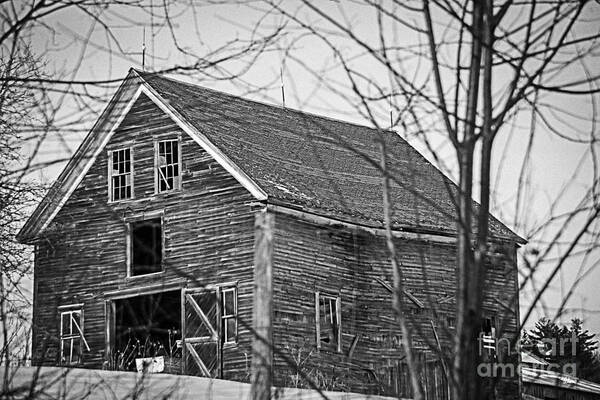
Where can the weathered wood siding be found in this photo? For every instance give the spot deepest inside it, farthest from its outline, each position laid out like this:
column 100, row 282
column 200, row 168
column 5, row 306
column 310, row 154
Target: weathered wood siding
column 347, row 263
column 208, row 229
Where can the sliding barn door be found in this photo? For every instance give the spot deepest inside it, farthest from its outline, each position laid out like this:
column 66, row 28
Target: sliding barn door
column 201, row 344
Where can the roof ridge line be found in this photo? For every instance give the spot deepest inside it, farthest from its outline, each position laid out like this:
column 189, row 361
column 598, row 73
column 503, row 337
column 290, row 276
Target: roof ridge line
column 294, row 110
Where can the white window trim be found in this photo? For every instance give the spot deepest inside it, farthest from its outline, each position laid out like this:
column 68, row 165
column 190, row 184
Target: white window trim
column 157, row 167
column 490, row 342
column 338, row 315
column 70, row 310
column 225, row 289
column 110, row 170
column 129, row 243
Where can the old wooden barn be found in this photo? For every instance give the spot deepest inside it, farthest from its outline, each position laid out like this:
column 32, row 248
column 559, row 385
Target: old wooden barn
column 145, row 245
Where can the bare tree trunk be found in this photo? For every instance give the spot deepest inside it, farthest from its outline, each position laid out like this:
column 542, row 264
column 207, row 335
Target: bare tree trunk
column 465, row 319
column 467, row 308
column 487, row 139
column 262, row 352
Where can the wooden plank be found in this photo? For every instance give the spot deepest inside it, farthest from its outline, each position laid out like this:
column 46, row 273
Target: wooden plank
column 408, row 294
column 198, row 360
column 318, row 319
column 201, row 339
column 184, row 367
column 339, row 223
column 219, row 334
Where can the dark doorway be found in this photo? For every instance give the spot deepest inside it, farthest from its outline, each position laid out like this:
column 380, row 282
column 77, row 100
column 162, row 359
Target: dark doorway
column 146, row 246
column 148, row 326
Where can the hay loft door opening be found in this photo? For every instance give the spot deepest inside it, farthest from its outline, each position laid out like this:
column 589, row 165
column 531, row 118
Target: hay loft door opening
column 201, row 332
column 147, row 326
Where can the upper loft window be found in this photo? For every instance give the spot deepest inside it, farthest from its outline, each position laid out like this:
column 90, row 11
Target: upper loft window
column 146, row 247
column 120, row 181
column 168, row 165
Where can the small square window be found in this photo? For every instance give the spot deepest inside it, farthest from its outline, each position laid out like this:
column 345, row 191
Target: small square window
column 229, row 315
column 167, row 165
column 120, row 175
column 146, row 246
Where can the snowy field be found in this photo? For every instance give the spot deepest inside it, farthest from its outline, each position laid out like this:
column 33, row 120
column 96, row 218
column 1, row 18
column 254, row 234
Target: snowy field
column 71, row 384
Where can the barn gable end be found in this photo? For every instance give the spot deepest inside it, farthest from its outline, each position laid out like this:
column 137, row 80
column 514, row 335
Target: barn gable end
column 109, row 122
column 82, row 257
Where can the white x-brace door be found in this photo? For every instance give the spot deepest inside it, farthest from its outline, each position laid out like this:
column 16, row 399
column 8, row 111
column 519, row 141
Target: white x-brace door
column 201, row 332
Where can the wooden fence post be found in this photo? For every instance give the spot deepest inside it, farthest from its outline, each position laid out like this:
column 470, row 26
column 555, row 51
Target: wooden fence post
column 262, row 352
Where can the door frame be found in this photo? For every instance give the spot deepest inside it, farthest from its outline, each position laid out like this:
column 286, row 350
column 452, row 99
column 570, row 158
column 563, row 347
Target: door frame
column 110, row 310
column 109, row 313
column 216, row 289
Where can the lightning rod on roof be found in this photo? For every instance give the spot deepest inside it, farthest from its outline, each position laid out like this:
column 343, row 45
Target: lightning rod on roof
column 391, row 115
column 144, row 49
column 282, row 87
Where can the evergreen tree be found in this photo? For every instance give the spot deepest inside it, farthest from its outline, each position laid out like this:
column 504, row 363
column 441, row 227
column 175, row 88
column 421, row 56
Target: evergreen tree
column 562, row 345
column 586, row 346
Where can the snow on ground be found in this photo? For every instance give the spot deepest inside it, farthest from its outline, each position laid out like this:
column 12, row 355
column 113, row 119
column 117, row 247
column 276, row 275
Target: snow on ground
column 78, row 384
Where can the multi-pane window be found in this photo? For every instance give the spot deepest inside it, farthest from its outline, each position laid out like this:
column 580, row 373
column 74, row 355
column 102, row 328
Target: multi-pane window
column 121, row 180
column 328, row 321
column 146, row 246
column 72, row 340
column 229, row 315
column 167, row 165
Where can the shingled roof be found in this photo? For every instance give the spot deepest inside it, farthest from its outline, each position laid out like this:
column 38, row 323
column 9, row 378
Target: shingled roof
column 317, row 164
